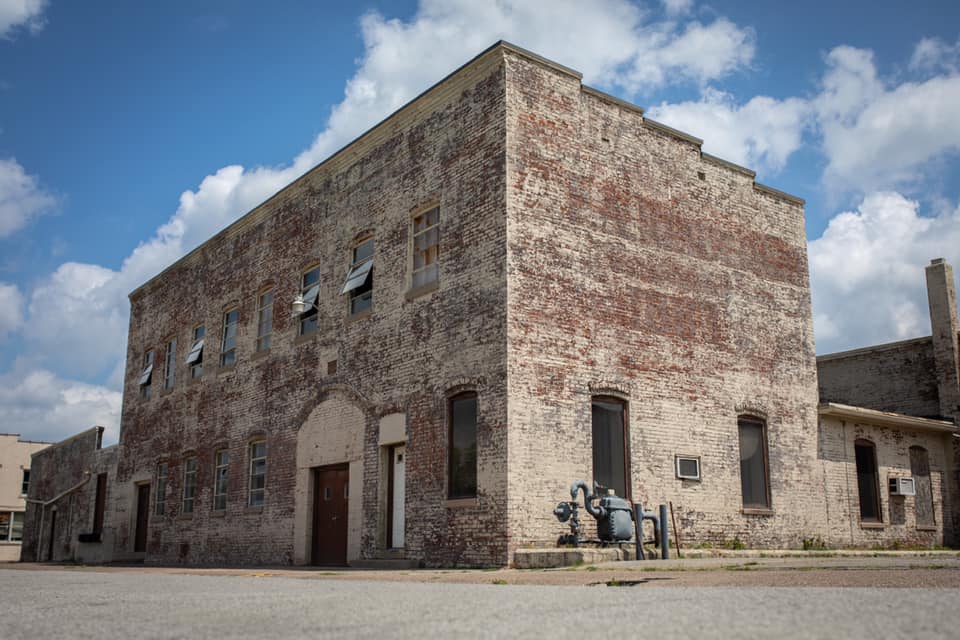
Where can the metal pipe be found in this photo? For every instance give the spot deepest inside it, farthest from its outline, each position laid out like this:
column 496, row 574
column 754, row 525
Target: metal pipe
column 576, row 487
column 664, row 534
column 638, row 529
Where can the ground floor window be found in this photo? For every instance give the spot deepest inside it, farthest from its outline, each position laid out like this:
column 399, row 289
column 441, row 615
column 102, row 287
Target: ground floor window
column 754, row 473
column 11, row 526
column 609, row 424
column 462, row 447
column 868, row 485
column 920, row 470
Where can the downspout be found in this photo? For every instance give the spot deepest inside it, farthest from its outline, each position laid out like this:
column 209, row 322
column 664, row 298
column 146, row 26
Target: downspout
column 43, row 510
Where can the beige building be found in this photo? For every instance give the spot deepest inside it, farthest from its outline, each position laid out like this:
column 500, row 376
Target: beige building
column 14, row 484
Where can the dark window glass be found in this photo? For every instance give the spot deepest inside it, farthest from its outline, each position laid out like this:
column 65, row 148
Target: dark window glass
column 867, row 483
column 754, row 482
column 923, row 503
column 310, row 290
column 463, row 446
column 360, row 286
column 609, row 445
column 228, row 345
column 220, row 480
column 25, row 485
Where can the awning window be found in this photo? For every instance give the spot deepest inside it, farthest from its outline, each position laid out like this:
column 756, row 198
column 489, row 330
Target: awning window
column 196, row 353
column 145, row 376
column 357, row 276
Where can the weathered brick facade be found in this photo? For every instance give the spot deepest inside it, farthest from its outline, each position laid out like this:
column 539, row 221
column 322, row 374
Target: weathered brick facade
column 585, row 251
column 62, row 497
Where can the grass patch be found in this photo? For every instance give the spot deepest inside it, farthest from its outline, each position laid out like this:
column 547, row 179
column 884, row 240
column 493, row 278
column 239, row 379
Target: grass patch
column 499, row 581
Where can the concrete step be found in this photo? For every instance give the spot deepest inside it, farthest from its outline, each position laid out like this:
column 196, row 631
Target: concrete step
column 568, row 557
column 385, row 563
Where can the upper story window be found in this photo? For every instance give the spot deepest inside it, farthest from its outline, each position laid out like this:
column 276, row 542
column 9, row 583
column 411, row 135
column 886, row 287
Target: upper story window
column 25, row 484
column 462, row 446
column 221, row 468
column 160, row 500
column 228, row 345
column 609, row 431
column 754, row 471
column 310, row 290
column 170, row 364
column 264, row 320
column 146, row 375
column 189, row 484
column 868, row 483
column 426, row 248
column 195, row 357
column 258, row 473
column 359, row 284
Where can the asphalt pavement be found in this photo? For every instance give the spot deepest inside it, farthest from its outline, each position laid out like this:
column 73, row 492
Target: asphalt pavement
column 82, row 603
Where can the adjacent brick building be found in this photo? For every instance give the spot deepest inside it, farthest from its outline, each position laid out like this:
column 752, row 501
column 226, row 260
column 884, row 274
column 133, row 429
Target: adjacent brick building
column 513, row 282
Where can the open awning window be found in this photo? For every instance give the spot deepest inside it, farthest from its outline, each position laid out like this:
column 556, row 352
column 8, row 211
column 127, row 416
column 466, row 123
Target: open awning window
column 357, row 276
column 196, row 352
column 145, row 376
column 310, row 298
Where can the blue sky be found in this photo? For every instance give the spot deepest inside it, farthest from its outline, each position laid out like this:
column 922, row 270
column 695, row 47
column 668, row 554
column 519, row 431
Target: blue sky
column 130, row 132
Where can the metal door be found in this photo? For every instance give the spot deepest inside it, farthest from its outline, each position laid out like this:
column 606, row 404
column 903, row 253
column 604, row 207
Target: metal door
column 331, row 495
column 398, row 490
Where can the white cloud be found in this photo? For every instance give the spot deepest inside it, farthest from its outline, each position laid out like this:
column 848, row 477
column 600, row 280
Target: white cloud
column 42, row 406
column 21, row 198
column 677, row 7
column 867, row 271
column 879, row 136
column 761, row 133
column 933, row 54
column 26, row 14
column 11, row 309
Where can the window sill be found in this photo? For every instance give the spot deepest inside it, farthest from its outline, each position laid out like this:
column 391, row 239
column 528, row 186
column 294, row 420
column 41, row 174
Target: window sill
column 306, row 337
column 166, row 392
column 359, row 315
column 220, row 513
column 458, row 503
column 185, row 516
column 226, row 369
column 259, row 355
column 422, row 290
column 928, row 528
column 754, row 511
column 253, row 510
column 872, row 525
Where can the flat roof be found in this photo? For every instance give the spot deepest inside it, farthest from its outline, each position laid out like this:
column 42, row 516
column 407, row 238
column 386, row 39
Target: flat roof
column 885, row 418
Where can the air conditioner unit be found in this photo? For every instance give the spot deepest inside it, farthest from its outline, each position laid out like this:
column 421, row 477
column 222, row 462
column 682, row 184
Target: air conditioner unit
column 902, row 487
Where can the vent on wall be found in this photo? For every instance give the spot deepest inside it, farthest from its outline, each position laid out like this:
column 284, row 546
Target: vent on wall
column 688, row 467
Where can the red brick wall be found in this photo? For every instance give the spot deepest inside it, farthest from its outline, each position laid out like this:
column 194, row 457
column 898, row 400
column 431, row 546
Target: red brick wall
column 448, row 149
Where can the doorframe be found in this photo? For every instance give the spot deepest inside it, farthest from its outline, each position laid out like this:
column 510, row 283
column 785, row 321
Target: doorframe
column 314, row 481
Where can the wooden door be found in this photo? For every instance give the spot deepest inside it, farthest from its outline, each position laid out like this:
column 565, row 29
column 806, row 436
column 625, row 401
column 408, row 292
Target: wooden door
column 923, row 501
column 143, row 517
column 331, row 495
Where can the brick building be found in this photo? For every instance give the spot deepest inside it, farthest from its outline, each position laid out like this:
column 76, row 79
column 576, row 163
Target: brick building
column 513, row 282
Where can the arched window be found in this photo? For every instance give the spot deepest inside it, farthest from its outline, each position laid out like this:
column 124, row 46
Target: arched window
column 754, row 470
column 923, row 503
column 868, row 484
column 610, row 463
